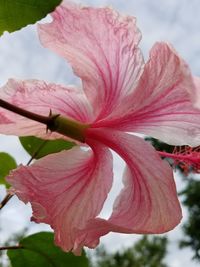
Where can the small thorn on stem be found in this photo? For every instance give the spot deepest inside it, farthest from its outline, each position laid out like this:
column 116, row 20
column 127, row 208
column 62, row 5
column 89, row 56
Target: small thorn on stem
column 54, row 122
column 51, row 124
column 25, row 113
column 50, row 115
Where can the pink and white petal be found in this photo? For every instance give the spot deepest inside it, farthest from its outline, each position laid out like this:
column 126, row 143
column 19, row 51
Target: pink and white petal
column 102, row 48
column 40, row 97
column 148, row 202
column 162, row 106
column 66, row 190
column 197, row 95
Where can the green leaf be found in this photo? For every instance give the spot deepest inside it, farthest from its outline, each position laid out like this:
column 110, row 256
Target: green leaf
column 15, row 14
column 7, row 163
column 39, row 250
column 39, row 148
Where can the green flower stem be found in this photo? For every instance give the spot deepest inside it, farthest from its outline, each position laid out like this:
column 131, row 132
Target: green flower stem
column 53, row 122
column 68, row 128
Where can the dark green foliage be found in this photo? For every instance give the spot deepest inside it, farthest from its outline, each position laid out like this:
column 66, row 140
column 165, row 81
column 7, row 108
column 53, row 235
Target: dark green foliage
column 15, row 14
column 39, row 251
column 160, row 146
column 38, row 148
column 191, row 228
column 147, row 252
column 7, row 163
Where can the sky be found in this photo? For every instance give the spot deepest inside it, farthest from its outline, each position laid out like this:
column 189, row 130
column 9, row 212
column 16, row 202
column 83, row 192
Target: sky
column 22, row 57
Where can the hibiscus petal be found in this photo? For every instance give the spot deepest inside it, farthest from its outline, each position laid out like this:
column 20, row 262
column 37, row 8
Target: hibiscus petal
column 40, row 97
column 162, row 105
column 148, row 202
column 66, row 190
column 197, row 95
column 102, row 48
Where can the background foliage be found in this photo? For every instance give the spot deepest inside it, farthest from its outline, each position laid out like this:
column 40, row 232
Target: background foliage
column 15, row 14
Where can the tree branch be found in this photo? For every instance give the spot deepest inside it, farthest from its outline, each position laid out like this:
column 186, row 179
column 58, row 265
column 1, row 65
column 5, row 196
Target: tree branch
column 5, row 200
column 11, row 247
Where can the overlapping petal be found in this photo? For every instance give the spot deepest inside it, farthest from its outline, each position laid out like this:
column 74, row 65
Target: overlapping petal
column 40, row 97
column 162, row 106
column 148, row 202
column 66, row 190
column 102, row 48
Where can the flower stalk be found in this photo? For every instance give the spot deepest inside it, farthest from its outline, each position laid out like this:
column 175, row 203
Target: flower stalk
column 53, row 122
column 27, row 114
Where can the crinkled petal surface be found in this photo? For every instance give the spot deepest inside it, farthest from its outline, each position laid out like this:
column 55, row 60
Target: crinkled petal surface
column 102, row 48
column 162, row 104
column 148, row 202
column 197, row 95
column 40, row 97
column 66, row 190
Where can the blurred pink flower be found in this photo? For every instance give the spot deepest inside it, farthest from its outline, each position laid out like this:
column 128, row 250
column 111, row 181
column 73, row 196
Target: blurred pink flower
column 120, row 95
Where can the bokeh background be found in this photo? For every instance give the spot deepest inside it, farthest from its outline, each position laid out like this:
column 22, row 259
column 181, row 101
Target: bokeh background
column 22, row 57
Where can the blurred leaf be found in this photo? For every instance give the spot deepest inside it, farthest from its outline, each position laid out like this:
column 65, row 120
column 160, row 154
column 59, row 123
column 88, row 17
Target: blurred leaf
column 39, row 148
column 15, row 14
column 39, row 250
column 7, row 163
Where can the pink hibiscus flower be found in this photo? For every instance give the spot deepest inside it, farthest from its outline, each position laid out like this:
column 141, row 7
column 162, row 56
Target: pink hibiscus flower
column 120, row 95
